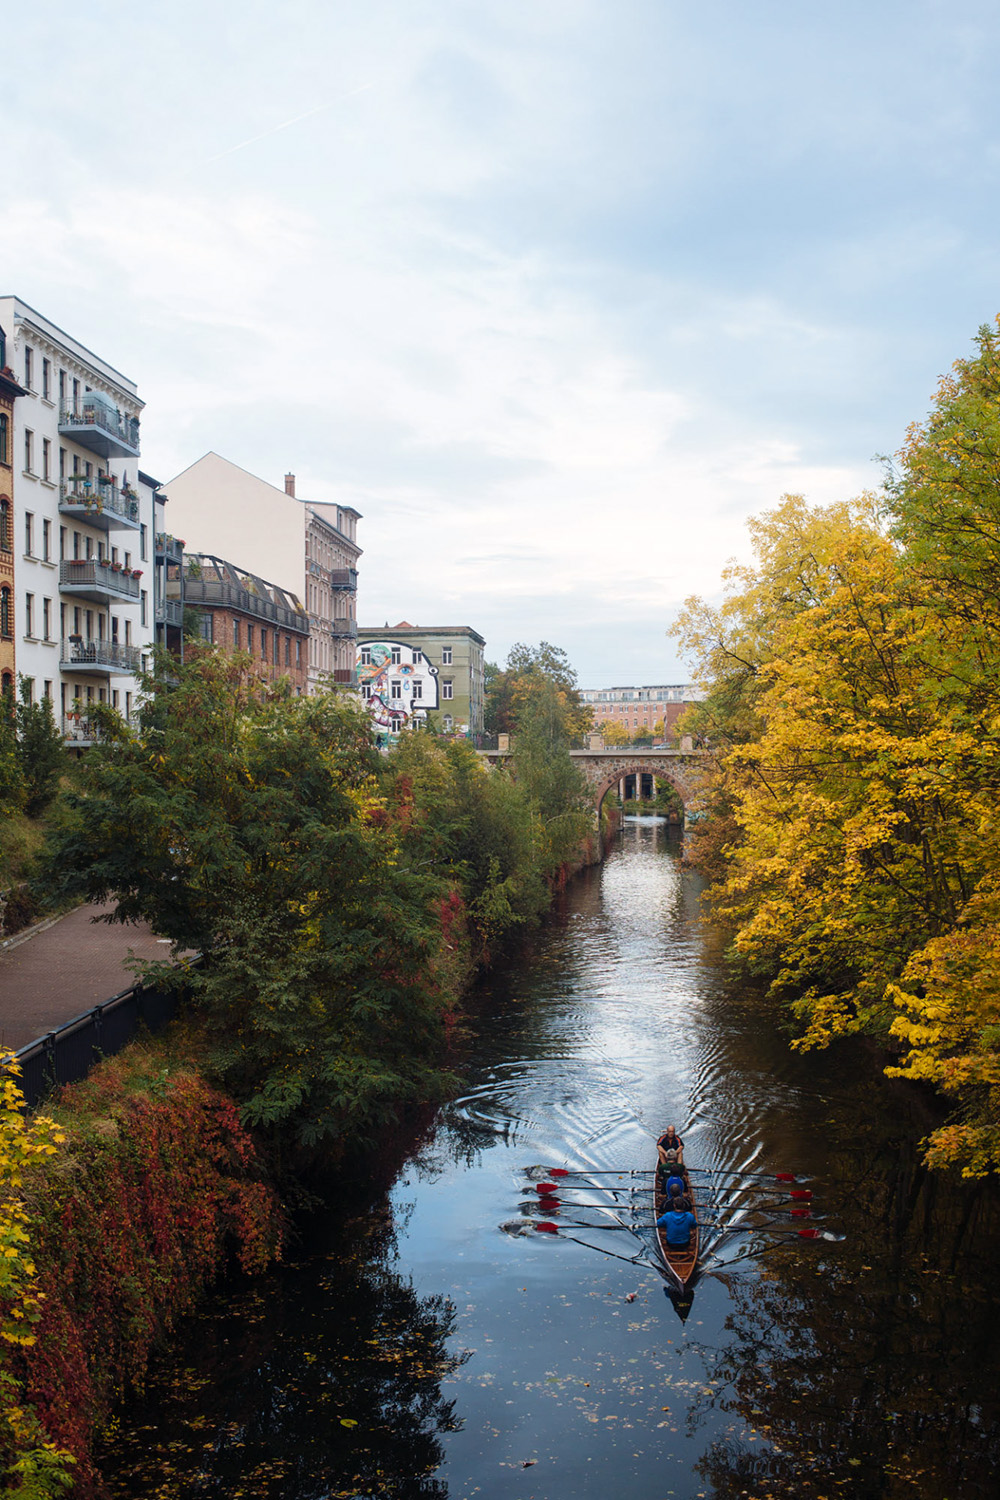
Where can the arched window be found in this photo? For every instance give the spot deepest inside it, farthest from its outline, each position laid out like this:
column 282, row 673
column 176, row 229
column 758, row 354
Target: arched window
column 6, row 616
column 4, row 523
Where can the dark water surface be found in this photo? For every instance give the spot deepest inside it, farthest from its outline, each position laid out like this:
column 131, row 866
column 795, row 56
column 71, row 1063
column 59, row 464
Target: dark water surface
column 436, row 1345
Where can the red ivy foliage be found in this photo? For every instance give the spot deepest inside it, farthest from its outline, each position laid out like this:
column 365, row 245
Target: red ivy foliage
column 154, row 1204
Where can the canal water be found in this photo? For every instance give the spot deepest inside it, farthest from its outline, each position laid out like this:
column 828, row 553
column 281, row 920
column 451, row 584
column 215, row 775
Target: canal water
column 431, row 1342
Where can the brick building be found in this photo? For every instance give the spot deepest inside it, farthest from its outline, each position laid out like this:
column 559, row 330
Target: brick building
column 641, row 709
column 239, row 611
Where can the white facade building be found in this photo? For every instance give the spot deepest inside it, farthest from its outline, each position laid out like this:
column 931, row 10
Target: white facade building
column 83, row 530
column 309, row 548
column 398, row 684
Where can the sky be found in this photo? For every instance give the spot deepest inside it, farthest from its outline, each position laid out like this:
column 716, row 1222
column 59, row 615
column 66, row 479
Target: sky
column 556, row 293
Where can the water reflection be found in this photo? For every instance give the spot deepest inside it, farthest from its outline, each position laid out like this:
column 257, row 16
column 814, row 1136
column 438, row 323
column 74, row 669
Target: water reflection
column 319, row 1382
column 478, row 1362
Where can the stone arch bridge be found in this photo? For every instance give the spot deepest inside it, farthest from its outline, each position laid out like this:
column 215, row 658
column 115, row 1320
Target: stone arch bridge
column 604, row 767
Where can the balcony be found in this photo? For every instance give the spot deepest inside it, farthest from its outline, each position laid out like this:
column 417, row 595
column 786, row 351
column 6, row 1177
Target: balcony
column 106, row 657
column 96, row 423
column 98, row 502
column 344, row 629
column 344, row 578
column 169, row 612
column 100, row 581
column 79, row 730
column 213, row 591
column 169, row 548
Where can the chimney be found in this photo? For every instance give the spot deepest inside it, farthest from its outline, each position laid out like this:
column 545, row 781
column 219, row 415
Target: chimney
column 290, row 485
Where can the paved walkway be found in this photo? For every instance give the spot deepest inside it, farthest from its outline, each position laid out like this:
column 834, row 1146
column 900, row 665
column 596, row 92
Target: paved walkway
column 66, row 968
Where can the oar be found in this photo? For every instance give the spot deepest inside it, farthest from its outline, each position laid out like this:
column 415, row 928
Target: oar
column 587, row 1172
column 547, row 1227
column 755, row 1176
column 630, row 1260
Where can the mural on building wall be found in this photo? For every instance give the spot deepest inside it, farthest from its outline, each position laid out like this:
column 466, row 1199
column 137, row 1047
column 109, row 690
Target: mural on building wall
column 397, row 682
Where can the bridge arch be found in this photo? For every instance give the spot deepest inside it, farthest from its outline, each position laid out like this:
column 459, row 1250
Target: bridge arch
column 604, row 769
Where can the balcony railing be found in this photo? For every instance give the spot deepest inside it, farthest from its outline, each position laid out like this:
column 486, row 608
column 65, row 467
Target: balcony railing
column 344, row 628
column 214, row 591
column 344, row 578
column 78, row 655
column 169, row 547
column 99, row 502
column 95, row 422
column 169, row 612
column 97, row 580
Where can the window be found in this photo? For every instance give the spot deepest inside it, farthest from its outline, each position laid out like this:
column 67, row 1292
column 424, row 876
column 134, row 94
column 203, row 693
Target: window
column 46, row 619
column 76, row 393
column 46, row 383
column 447, row 688
column 366, row 656
column 250, row 638
column 62, row 385
column 47, row 690
column 143, row 597
column 236, row 635
column 263, row 644
column 395, row 688
column 114, row 555
column 128, row 705
column 4, row 439
column 29, row 534
column 46, row 459
column 395, row 656
column 127, row 561
column 447, row 721
column 29, row 365
column 5, row 537
column 47, row 541
column 29, row 615
column 128, row 632
column 204, row 625
column 366, row 688
column 298, row 653
column 29, row 451
column 62, row 463
column 418, row 689
column 142, row 542
column 6, row 623
column 288, row 651
column 446, row 656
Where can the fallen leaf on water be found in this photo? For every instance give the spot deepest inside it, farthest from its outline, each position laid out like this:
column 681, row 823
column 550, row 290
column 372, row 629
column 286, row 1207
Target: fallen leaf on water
column 526, row 1464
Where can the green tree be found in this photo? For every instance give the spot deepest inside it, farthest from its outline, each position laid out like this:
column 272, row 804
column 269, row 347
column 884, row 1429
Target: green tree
column 533, row 670
column 248, row 825
column 40, row 750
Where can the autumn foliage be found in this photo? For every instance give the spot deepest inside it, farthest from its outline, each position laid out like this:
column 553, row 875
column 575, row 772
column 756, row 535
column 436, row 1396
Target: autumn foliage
column 133, row 1201
column 853, row 720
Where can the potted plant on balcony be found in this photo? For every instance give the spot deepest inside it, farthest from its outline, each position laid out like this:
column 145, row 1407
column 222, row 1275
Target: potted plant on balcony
column 136, row 572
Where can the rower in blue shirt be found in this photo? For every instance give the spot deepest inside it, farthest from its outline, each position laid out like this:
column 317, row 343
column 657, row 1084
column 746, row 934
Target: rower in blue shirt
column 678, row 1224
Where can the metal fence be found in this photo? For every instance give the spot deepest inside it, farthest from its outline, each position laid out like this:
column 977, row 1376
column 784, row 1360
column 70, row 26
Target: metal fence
column 67, row 1054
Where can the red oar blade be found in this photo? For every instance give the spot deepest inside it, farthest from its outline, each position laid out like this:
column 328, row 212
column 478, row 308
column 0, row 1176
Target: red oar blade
column 800, row 1213
column 784, row 1176
column 559, row 1172
column 803, row 1193
column 544, row 1227
column 808, row 1234
column 544, row 1188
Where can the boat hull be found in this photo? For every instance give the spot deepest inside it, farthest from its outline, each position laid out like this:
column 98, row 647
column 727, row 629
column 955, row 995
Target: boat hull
column 680, row 1263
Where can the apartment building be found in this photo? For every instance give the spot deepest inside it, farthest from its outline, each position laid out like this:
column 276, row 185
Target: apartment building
column 240, row 611
column 310, row 546
column 9, row 392
column 641, row 708
column 168, row 568
column 455, row 657
column 82, row 531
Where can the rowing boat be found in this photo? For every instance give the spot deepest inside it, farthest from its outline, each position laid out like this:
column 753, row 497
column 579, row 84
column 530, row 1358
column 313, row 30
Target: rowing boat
column 680, row 1263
